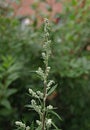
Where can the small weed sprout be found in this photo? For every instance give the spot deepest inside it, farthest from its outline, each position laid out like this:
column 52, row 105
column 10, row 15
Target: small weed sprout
column 44, row 122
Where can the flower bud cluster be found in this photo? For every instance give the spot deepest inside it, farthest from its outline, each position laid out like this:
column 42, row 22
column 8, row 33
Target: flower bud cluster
column 48, row 122
column 38, row 122
column 27, row 128
column 44, row 55
column 50, row 107
column 37, row 94
column 46, row 47
column 47, row 25
column 36, row 107
column 40, row 94
column 40, row 72
column 47, row 70
column 20, row 124
column 33, row 93
column 33, row 102
column 47, row 34
column 50, row 83
column 47, row 42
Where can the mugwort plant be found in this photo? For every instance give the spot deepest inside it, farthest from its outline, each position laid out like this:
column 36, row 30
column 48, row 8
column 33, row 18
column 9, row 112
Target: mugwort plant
column 38, row 102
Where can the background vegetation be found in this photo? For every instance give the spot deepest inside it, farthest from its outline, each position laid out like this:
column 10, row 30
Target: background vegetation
column 20, row 56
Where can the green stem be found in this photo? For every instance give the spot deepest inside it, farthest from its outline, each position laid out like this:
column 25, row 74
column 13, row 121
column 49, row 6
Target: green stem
column 44, row 106
column 44, row 97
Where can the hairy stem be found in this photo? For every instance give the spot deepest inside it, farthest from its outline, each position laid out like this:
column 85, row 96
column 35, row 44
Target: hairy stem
column 46, row 74
column 44, row 106
column 44, row 98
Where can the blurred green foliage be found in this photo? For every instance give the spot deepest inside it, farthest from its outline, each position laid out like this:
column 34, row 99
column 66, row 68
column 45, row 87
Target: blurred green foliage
column 20, row 56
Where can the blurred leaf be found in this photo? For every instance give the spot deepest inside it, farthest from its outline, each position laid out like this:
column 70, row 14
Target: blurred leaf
column 6, row 103
column 10, row 92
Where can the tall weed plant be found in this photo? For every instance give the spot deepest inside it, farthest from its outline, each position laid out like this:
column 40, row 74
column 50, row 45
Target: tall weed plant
column 38, row 103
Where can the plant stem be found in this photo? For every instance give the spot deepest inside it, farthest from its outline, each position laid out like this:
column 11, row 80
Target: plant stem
column 44, row 106
column 44, row 98
column 46, row 75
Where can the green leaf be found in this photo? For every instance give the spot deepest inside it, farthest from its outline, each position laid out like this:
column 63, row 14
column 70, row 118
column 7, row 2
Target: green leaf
column 5, row 112
column 56, row 115
column 29, row 106
column 32, row 126
column 10, row 92
column 39, row 128
column 11, row 78
column 51, row 90
column 6, row 103
column 56, row 128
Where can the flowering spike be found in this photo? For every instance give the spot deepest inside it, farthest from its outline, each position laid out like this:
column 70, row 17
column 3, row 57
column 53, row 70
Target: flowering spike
column 39, row 101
